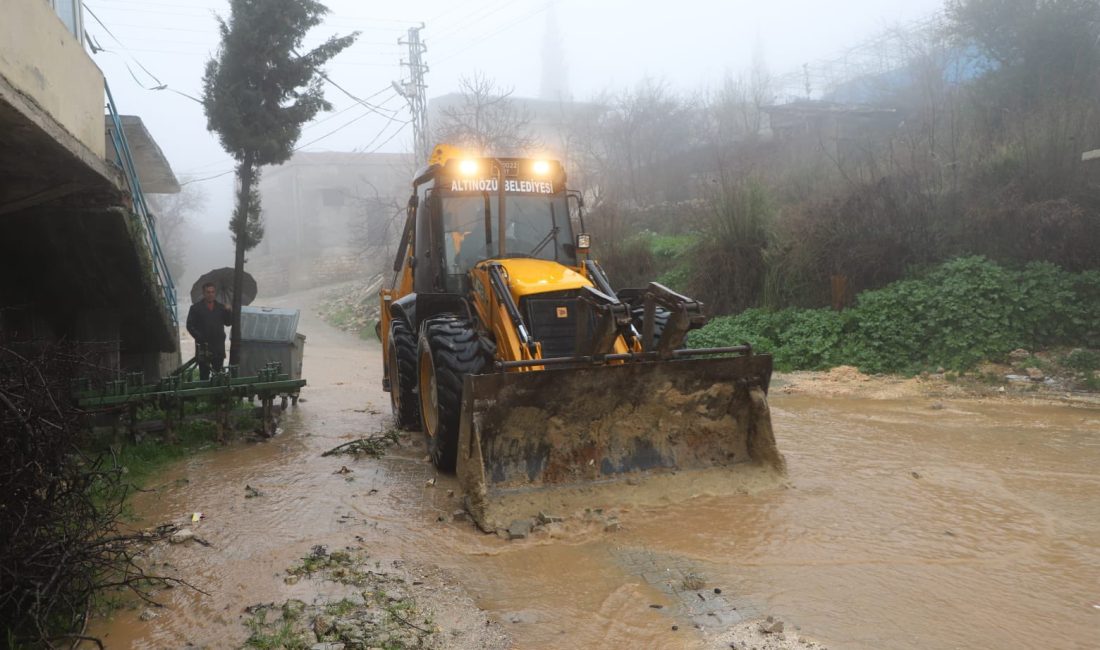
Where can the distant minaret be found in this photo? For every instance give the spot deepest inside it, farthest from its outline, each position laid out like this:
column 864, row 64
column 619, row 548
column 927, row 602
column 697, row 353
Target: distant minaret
column 555, row 72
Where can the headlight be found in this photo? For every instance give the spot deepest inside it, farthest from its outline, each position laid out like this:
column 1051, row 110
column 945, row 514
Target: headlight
column 468, row 167
column 584, row 242
column 541, row 167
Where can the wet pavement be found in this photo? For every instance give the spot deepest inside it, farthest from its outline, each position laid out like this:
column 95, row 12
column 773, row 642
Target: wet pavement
column 902, row 526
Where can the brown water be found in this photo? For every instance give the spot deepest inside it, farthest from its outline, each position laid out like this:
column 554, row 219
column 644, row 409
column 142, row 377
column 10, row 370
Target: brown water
column 973, row 526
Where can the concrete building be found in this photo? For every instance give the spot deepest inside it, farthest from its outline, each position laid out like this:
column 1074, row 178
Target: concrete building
column 322, row 212
column 78, row 254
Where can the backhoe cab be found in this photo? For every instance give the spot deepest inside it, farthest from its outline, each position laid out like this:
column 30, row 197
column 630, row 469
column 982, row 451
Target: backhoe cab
column 509, row 347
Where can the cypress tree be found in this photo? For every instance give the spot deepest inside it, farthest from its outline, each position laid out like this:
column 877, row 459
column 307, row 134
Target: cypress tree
column 258, row 91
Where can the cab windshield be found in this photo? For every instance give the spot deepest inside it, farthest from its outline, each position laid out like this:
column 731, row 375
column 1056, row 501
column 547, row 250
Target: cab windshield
column 536, row 226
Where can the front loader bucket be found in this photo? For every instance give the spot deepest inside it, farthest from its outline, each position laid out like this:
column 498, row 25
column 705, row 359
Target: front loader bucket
column 521, row 431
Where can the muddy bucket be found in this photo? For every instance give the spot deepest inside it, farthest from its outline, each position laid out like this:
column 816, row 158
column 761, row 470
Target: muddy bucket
column 528, row 431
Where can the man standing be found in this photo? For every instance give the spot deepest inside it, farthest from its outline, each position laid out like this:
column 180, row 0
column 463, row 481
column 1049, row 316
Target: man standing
column 206, row 323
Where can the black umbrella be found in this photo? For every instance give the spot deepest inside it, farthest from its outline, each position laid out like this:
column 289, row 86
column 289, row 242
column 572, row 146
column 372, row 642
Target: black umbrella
column 223, row 282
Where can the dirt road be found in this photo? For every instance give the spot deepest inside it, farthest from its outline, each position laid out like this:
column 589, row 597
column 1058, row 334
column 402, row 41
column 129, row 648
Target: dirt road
column 908, row 521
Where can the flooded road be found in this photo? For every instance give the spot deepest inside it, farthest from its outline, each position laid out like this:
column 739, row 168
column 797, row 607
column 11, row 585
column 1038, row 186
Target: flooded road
column 974, row 525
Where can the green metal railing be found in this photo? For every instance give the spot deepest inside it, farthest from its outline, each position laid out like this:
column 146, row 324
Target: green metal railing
column 266, row 383
column 171, row 392
column 125, row 161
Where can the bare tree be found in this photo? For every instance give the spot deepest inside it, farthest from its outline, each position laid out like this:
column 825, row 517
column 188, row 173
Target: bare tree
column 629, row 145
column 174, row 228
column 735, row 112
column 375, row 233
column 486, row 120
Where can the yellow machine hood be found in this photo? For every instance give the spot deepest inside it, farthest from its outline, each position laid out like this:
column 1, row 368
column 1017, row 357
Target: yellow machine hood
column 528, row 276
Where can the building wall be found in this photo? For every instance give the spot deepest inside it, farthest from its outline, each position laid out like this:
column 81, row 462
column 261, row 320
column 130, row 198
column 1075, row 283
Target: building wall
column 41, row 59
column 319, row 212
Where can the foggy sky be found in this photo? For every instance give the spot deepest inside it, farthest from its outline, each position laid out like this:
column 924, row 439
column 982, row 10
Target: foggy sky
column 608, row 45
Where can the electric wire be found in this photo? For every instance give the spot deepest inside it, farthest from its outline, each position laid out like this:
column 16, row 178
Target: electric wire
column 378, row 108
column 312, row 125
column 299, row 147
column 142, row 5
column 160, row 85
column 447, row 57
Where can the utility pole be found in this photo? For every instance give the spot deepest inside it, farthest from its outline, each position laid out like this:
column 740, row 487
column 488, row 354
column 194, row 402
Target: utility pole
column 414, row 91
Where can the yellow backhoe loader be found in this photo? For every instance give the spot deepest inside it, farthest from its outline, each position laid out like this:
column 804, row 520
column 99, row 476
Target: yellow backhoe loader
column 509, row 347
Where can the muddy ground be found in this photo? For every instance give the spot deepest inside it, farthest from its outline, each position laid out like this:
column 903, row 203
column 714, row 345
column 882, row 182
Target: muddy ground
column 917, row 513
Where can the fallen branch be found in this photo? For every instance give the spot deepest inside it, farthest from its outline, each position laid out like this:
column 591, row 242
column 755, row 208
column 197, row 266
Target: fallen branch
column 373, row 446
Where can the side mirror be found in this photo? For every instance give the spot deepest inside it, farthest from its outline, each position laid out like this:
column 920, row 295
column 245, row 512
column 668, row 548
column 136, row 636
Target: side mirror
column 576, row 211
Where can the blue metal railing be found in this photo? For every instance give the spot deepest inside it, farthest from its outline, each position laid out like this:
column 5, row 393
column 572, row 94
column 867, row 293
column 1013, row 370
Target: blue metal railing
column 125, row 161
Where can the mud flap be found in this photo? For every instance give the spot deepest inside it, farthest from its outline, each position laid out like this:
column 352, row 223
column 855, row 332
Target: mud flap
column 522, row 431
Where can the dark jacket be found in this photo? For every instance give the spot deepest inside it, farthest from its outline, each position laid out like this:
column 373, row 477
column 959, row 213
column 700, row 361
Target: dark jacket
column 208, row 325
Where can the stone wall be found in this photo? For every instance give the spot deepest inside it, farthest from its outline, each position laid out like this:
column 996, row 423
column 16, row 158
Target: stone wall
column 275, row 277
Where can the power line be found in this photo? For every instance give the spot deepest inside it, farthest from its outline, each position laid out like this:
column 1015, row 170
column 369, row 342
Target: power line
column 369, row 64
column 523, row 18
column 156, row 39
column 387, row 140
column 470, row 18
column 191, row 5
column 207, row 178
column 377, row 109
column 347, row 108
column 96, row 47
column 299, row 147
column 341, row 128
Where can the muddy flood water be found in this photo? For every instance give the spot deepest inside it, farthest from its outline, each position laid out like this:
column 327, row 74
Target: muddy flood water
column 974, row 524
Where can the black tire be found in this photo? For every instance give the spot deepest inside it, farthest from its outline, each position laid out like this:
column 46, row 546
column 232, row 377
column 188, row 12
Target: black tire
column 660, row 320
column 448, row 350
column 401, row 360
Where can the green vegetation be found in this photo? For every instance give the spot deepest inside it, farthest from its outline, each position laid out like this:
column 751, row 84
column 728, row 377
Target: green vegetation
column 381, row 613
column 348, row 318
column 671, row 255
column 352, row 308
column 280, row 635
column 956, row 315
column 1083, row 360
column 147, row 456
column 843, row 197
column 336, row 565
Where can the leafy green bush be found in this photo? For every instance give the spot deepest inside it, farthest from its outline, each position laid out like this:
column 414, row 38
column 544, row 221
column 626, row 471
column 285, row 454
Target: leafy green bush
column 1083, row 360
column 629, row 263
column 1086, row 314
column 962, row 312
column 798, row 338
column 756, row 327
column 812, row 339
column 671, row 255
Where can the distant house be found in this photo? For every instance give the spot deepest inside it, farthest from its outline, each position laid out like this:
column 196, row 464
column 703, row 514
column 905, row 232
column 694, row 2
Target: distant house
column 321, row 210
column 846, row 131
